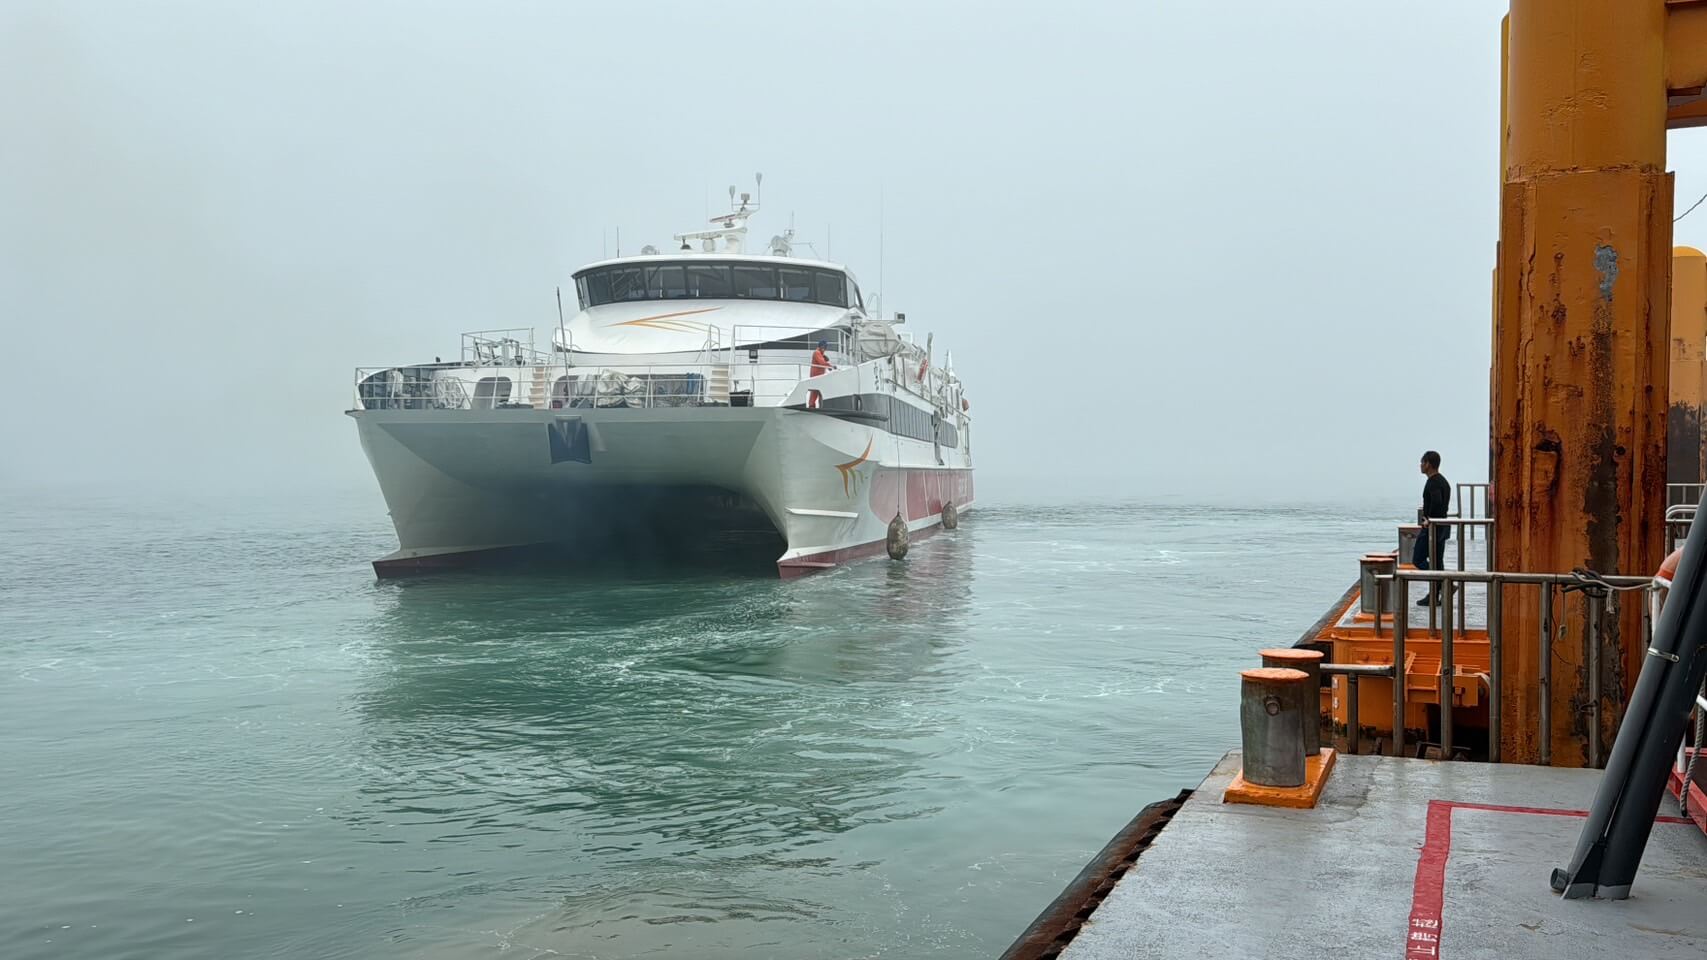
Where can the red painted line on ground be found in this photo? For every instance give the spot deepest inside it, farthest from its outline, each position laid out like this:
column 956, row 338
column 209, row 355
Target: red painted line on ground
column 1535, row 811
column 1428, row 892
column 1697, row 799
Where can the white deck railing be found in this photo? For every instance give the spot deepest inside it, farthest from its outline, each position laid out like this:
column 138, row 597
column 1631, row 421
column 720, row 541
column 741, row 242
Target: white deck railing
column 502, row 369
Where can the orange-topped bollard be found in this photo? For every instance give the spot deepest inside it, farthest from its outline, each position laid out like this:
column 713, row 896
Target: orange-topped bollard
column 1271, row 725
column 1276, row 771
column 1310, row 662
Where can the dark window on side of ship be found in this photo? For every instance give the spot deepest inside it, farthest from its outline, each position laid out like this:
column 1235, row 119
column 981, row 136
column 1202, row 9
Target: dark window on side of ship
column 581, row 292
column 598, row 287
column 832, row 288
column 489, row 392
column 666, row 283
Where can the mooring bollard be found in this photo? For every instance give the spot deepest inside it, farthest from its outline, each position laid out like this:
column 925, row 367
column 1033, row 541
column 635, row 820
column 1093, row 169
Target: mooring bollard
column 1271, row 725
column 1309, row 661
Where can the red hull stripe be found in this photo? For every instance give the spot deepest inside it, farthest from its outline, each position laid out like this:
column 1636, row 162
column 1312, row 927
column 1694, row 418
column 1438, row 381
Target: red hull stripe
column 814, row 562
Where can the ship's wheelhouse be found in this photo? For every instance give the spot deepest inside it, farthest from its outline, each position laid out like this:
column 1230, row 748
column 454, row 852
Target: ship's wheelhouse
column 720, row 279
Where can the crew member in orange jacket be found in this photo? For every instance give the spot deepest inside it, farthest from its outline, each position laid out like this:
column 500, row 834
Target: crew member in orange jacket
column 820, row 366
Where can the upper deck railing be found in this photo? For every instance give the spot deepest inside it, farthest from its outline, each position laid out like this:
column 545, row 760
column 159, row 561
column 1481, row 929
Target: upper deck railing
column 502, row 369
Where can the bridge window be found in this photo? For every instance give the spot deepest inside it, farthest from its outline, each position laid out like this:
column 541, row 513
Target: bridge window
column 615, row 285
column 832, row 288
column 796, row 284
column 710, row 282
column 714, row 281
column 755, row 283
column 666, row 283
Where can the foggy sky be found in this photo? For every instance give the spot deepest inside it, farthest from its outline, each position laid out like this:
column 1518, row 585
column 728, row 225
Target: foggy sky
column 1239, row 251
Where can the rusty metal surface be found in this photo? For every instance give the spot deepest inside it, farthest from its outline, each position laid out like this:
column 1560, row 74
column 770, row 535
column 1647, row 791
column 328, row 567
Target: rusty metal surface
column 1059, row 922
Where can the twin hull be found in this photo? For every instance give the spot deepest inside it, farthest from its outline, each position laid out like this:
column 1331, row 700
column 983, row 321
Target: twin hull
column 460, row 483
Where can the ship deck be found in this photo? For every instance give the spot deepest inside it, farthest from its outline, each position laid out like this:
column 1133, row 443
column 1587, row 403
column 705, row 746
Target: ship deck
column 1401, row 858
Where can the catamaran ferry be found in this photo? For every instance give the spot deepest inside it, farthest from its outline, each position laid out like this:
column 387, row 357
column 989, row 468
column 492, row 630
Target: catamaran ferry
column 693, row 393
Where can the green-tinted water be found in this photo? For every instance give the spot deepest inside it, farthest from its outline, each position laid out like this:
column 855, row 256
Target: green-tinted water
column 221, row 737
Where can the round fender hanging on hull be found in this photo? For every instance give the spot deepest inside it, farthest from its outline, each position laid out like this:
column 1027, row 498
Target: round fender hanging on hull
column 896, row 541
column 950, row 516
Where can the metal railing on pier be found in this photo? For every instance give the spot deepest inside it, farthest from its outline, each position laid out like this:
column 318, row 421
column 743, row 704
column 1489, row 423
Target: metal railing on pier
column 1601, row 593
column 1474, row 497
column 1449, row 616
column 1463, row 527
column 1679, row 493
column 1679, row 518
column 1355, row 672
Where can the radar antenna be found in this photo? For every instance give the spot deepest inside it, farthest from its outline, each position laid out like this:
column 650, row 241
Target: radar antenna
column 731, row 227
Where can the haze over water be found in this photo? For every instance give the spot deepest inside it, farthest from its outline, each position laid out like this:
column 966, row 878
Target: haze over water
column 1222, row 256
column 223, row 738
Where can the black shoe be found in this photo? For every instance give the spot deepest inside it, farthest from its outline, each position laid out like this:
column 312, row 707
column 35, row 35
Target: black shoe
column 1425, row 601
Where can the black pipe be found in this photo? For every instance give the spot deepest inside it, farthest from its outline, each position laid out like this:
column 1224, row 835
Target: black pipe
column 1615, row 834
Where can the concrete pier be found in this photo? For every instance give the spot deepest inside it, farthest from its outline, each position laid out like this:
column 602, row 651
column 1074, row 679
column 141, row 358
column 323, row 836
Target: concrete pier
column 1401, row 858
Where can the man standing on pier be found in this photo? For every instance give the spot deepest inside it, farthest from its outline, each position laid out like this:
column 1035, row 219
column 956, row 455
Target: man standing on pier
column 1431, row 544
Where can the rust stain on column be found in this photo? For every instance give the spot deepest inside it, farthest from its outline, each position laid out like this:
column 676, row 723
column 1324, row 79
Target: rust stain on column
column 1580, row 366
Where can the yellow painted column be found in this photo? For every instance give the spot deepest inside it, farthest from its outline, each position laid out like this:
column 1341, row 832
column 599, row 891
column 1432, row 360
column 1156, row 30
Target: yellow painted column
column 1581, row 365
column 1686, row 460
column 1494, row 349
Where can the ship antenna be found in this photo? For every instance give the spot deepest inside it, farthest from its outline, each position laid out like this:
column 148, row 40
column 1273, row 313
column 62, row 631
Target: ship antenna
column 880, row 287
column 562, row 332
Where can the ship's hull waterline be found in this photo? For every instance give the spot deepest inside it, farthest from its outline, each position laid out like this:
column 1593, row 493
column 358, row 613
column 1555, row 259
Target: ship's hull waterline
column 465, row 486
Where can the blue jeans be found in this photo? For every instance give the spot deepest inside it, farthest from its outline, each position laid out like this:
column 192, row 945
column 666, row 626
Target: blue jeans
column 1419, row 554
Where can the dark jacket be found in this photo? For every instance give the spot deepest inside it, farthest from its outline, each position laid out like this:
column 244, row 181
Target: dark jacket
column 1437, row 501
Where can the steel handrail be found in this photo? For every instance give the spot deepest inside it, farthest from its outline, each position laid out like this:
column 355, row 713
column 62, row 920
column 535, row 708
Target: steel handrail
column 1354, row 674
column 1464, row 525
column 1458, row 501
column 1496, row 582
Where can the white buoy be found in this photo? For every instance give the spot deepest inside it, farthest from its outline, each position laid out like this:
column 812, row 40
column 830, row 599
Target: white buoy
column 897, row 540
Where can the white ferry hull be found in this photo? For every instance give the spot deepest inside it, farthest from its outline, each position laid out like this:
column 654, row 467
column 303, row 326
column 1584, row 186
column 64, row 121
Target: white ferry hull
column 462, row 484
